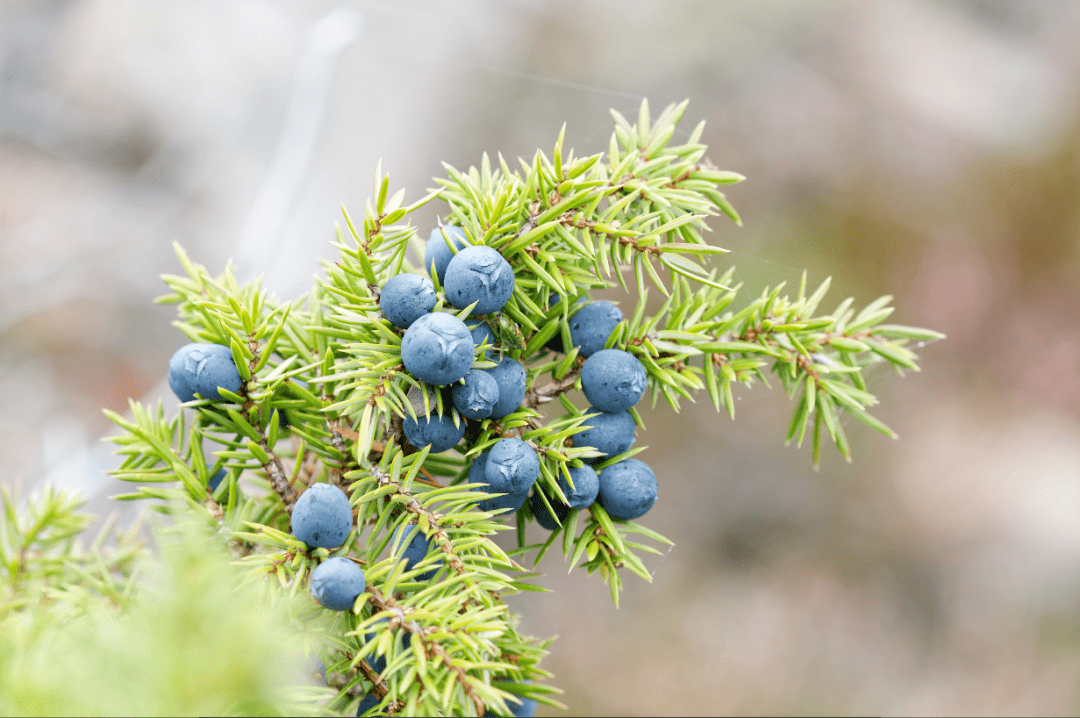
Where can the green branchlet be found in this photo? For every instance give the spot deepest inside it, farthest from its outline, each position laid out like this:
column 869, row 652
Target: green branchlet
column 330, row 365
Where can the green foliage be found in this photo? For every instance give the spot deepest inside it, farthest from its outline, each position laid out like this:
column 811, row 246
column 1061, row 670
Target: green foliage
column 331, row 365
column 105, row 631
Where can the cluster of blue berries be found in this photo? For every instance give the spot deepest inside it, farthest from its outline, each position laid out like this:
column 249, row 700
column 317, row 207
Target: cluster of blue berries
column 613, row 381
column 439, row 349
column 322, row 518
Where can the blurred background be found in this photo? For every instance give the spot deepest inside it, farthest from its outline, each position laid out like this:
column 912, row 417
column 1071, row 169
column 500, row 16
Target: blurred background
column 929, row 150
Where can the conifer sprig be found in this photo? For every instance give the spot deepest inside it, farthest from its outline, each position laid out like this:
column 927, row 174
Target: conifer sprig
column 325, row 396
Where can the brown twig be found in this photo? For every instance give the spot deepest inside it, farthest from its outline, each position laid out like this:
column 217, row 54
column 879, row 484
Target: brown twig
column 432, row 648
column 414, row 506
column 274, row 469
column 548, row 392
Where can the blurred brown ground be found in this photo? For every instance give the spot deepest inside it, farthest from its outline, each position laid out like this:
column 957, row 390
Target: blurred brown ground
column 929, row 150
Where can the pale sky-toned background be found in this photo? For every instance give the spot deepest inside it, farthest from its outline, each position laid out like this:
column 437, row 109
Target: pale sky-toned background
column 929, row 150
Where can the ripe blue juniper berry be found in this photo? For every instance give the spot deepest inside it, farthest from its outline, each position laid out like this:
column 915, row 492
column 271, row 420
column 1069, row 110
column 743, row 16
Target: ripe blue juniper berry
column 438, row 432
column 478, row 475
column 322, row 516
column 477, row 394
column 407, row 297
column 481, row 275
column 586, row 486
column 415, row 550
column 591, row 326
column 609, row 433
column 368, row 702
column 481, row 334
column 543, row 516
column 202, row 368
column 613, row 380
column 512, row 466
column 336, row 583
column 511, row 379
column 437, row 349
column 627, row 489
column 215, row 480
column 438, row 252
column 514, row 271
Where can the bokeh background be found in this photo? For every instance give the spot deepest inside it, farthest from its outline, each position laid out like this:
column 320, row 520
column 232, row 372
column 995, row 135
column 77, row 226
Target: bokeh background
column 928, row 150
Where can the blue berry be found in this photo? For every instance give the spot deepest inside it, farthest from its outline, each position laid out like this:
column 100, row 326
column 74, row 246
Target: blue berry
column 438, row 431
column 479, row 274
column 592, row 325
column 377, row 662
column 555, row 344
column 405, row 298
column 283, row 420
column 510, row 376
column 613, row 380
column 437, row 348
column 543, row 516
column 476, row 395
column 481, row 332
column 512, row 466
column 525, row 709
column 609, row 433
column 322, row 516
column 415, row 551
column 336, row 582
column 477, row 475
column 439, row 252
column 202, row 368
column 368, row 702
column 215, row 480
column 627, row 489
column 586, row 485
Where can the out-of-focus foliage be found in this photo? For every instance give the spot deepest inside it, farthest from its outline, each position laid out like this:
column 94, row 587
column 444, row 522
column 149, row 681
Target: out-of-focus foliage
column 108, row 630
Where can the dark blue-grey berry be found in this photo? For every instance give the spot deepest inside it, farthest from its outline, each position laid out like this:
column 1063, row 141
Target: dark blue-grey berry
column 375, row 661
column 543, row 516
column 613, row 380
column 586, row 485
column 437, row 349
column 283, row 420
column 627, row 489
column 608, row 433
column 322, row 516
column 437, row 431
column 318, row 670
column 415, row 550
column 479, row 274
column 215, row 480
column 405, row 298
column 510, row 376
column 202, row 368
column 476, row 395
column 592, row 325
column 555, row 344
column 512, row 466
column 439, row 252
column 481, row 333
column 525, row 709
column 336, row 582
column 477, row 475
column 368, row 702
